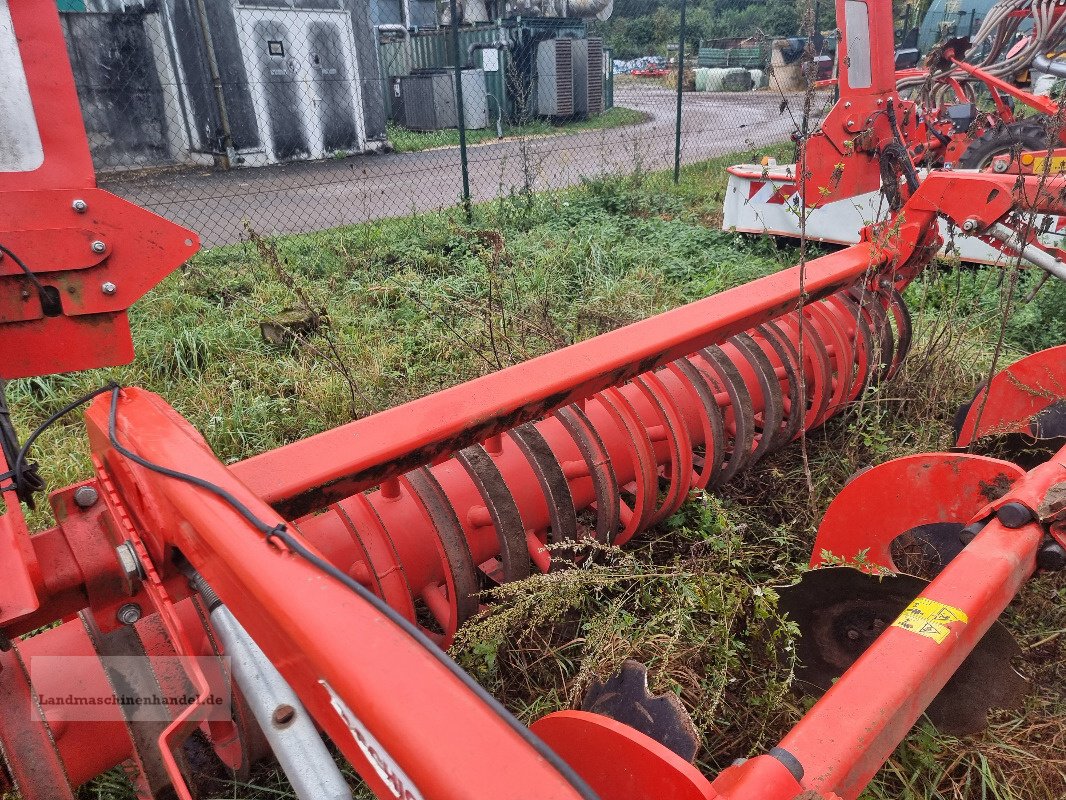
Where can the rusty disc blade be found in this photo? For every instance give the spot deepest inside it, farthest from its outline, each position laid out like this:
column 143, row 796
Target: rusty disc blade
column 625, row 697
column 841, row 611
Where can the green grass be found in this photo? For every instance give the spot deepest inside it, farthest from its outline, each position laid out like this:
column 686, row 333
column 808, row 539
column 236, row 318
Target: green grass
column 405, row 141
column 415, row 304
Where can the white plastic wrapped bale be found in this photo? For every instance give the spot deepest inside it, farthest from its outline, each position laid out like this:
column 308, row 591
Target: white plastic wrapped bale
column 712, row 79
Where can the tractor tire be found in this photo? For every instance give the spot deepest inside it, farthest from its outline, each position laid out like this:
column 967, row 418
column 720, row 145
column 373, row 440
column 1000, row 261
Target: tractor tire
column 1028, row 134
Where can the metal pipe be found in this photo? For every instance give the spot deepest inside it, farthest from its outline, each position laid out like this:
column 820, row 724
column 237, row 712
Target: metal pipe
column 216, row 82
column 460, row 108
column 680, row 88
column 1030, row 252
column 288, row 727
column 1044, row 64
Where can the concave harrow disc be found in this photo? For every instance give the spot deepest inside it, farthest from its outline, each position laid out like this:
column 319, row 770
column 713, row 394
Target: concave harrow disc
column 841, row 611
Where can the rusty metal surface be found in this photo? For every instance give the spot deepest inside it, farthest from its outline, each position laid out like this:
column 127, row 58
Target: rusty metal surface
column 625, row 697
column 511, row 532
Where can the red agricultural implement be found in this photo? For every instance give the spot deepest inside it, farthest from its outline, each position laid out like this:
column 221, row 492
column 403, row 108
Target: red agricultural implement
column 889, row 127
column 324, row 577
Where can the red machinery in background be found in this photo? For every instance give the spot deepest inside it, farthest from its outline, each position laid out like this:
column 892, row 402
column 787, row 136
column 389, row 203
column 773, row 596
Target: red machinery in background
column 323, row 577
column 889, row 127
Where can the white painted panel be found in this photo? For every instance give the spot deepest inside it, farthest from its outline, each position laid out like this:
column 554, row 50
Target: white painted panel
column 20, row 140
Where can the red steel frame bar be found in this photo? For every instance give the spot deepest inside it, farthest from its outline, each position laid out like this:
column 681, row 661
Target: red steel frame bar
column 305, row 476
column 846, row 737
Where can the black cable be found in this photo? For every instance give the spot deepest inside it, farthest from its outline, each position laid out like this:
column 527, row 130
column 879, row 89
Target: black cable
column 908, row 167
column 281, row 532
column 49, row 301
column 23, row 475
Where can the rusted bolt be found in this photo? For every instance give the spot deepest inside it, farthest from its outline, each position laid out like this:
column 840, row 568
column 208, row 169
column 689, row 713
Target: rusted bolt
column 98, row 246
column 129, row 613
column 108, row 288
column 85, row 497
column 283, row 715
column 79, row 206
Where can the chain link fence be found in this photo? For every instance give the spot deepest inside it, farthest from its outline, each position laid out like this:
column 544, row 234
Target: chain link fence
column 299, row 115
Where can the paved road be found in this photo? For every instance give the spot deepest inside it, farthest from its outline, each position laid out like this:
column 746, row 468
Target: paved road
column 302, row 197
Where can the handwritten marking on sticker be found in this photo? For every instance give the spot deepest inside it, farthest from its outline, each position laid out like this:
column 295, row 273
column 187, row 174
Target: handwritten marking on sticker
column 930, row 619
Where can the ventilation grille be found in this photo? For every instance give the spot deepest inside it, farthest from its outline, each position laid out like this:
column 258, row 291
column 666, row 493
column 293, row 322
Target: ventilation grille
column 564, row 77
column 595, row 72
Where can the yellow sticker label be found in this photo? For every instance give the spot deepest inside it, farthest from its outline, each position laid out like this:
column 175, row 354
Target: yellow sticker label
column 1058, row 165
column 929, row 618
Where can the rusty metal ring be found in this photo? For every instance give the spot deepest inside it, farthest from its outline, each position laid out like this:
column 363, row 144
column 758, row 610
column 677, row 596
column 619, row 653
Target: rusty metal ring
column 562, row 514
column 789, row 358
column 861, row 342
column 680, row 445
column 604, row 482
column 645, row 469
column 904, row 330
column 773, row 401
column 843, row 357
column 507, row 519
column 395, row 588
column 743, row 412
column 817, row 400
column 463, row 586
column 870, row 303
column 713, row 425
column 357, row 540
column 820, row 388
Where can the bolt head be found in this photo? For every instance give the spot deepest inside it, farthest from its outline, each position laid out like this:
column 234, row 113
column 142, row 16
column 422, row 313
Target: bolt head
column 128, row 560
column 108, row 288
column 79, row 205
column 85, row 497
column 1000, row 165
column 98, row 246
column 129, row 613
column 969, row 225
column 283, row 715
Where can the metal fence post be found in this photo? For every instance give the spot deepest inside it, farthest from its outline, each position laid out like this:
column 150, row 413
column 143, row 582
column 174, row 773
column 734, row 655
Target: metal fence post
column 460, row 109
column 680, row 86
column 226, row 156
